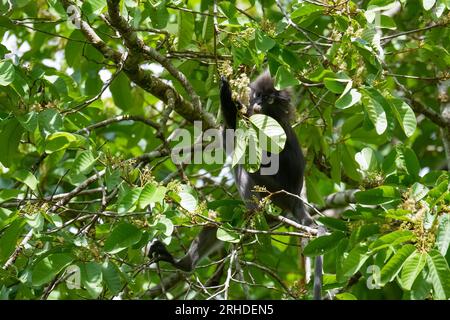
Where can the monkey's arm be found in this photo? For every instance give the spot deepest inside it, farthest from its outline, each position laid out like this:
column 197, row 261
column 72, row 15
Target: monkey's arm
column 205, row 243
column 229, row 108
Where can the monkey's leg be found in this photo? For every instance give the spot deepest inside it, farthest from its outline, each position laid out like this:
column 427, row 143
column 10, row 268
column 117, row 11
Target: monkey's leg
column 203, row 245
column 318, row 270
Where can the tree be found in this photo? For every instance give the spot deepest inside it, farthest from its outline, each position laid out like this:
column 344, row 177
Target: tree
column 93, row 92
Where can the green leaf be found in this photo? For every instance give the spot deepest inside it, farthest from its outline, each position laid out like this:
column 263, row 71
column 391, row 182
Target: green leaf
column 421, row 288
column 58, row 141
column 349, row 163
column 271, row 130
column 185, row 29
column 305, row 9
column 374, row 107
column 20, row 3
column 123, row 236
column 440, row 8
column 341, row 255
column 313, row 190
column 443, row 234
column 121, row 92
column 335, row 161
column 229, row 10
column 335, row 85
column 228, row 235
column 74, row 49
column 345, row 296
column 94, row 6
column 29, row 121
column 439, row 274
column 323, row 244
column 392, row 239
column 10, row 134
column 128, row 199
column 84, row 162
column 263, row 42
column 208, row 29
column 412, row 268
column 284, row 78
column 158, row 14
column 214, row 205
column 253, row 152
column 352, row 123
column 428, row 4
column 46, row 269
column 447, row 3
column 8, row 194
column 188, row 199
column 366, row 159
column 386, row 22
column 91, row 278
column 50, row 121
column 411, row 162
column 395, row 263
column 334, row 223
column 113, row 178
column 150, row 194
column 348, row 99
column 364, row 231
column 5, row 22
column 9, row 239
column 378, row 195
column 165, row 226
column 379, row 3
column 355, row 260
column 6, row 72
column 404, row 115
column 26, row 177
column 111, row 275
column 418, row 191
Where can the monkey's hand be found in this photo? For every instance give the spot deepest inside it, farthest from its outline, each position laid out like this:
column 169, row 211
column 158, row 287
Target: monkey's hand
column 224, row 85
column 229, row 108
column 159, row 252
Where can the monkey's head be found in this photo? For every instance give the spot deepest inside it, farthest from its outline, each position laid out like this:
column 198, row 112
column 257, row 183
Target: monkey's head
column 265, row 99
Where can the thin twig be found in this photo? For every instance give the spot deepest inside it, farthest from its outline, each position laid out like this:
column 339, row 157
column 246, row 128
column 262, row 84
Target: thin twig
column 194, row 12
column 116, row 119
column 396, row 35
column 18, row 249
column 296, row 27
column 271, row 273
column 98, row 96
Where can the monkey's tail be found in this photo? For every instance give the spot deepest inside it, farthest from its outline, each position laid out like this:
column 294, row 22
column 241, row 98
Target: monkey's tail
column 318, row 270
column 318, row 274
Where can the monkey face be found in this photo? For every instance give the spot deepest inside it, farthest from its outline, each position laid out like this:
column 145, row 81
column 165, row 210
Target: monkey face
column 260, row 102
column 265, row 99
column 270, row 102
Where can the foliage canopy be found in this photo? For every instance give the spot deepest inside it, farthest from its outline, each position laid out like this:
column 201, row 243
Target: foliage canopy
column 92, row 91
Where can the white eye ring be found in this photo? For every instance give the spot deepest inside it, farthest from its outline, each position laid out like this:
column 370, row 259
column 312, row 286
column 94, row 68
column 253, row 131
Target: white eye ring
column 270, row 100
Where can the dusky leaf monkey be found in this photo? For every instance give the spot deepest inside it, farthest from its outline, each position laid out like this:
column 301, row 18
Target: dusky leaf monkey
column 264, row 99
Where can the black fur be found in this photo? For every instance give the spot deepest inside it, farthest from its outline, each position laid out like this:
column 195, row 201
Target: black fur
column 289, row 177
column 264, row 98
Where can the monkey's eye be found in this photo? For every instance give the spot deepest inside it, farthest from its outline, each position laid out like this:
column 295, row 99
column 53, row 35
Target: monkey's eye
column 270, row 100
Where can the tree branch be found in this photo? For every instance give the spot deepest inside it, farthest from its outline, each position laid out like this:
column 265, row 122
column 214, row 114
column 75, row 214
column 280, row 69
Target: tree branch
column 137, row 46
column 143, row 78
